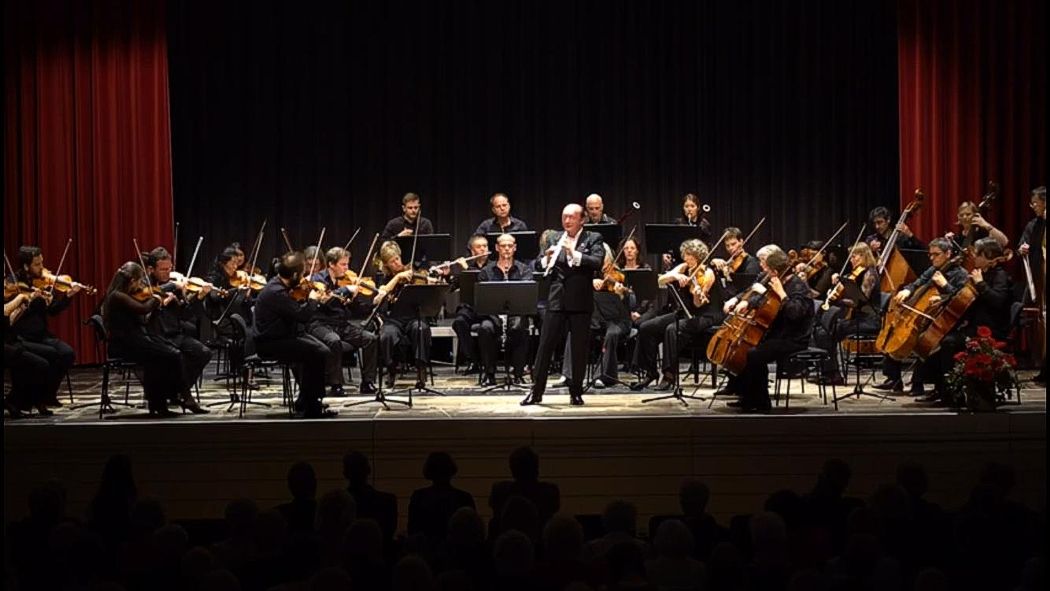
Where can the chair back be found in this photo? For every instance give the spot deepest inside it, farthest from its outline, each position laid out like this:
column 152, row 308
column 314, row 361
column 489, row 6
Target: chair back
column 242, row 337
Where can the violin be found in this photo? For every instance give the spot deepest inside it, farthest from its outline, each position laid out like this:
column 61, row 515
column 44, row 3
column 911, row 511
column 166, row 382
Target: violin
column 302, row 291
column 366, row 286
column 60, row 283
column 14, row 289
column 814, row 260
column 700, row 285
column 196, row 285
column 253, row 282
column 836, row 292
column 146, row 292
column 612, row 281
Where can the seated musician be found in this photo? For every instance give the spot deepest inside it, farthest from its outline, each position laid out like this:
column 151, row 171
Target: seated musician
column 315, row 261
column 991, row 309
column 225, row 300
column 948, row 277
column 738, row 270
column 848, row 316
column 32, row 328
column 594, row 211
column 504, row 268
column 973, row 227
column 501, row 221
column 125, row 311
column 333, row 325
column 399, row 326
column 697, row 294
column 692, row 215
column 1032, row 246
column 610, row 318
column 167, row 322
column 631, row 259
column 278, row 335
column 883, row 226
column 788, row 334
column 405, row 224
column 477, row 245
column 29, row 371
column 817, row 276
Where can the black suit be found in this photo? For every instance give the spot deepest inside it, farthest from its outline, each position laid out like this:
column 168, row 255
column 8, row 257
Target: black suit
column 569, row 304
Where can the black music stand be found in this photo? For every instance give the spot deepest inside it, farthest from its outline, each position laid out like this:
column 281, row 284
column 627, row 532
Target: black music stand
column 527, row 241
column 643, row 283
column 676, row 391
column 430, row 248
column 661, row 238
column 611, row 233
column 426, row 301
column 513, row 298
column 853, row 291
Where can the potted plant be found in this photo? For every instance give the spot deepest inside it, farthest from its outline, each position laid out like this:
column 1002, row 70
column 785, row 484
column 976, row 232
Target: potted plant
column 983, row 374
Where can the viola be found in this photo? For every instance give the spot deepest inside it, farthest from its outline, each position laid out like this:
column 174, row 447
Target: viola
column 613, row 282
column 196, row 285
column 14, row 289
column 60, row 283
column 301, row 292
column 836, row 292
column 366, row 286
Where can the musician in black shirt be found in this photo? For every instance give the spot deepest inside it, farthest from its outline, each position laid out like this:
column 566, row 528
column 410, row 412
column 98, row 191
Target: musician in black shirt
column 466, row 317
column 501, row 221
column 505, row 268
column 278, row 336
column 407, row 222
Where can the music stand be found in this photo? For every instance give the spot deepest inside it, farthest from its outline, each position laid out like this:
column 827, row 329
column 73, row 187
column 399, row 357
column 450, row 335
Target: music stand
column 852, row 291
column 611, row 233
column 527, row 241
column 661, row 238
column 642, row 282
column 426, row 301
column 513, row 298
column 430, row 248
column 468, row 279
column 676, row 391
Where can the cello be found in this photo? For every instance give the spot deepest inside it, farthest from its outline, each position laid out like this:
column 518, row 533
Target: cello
column 893, row 269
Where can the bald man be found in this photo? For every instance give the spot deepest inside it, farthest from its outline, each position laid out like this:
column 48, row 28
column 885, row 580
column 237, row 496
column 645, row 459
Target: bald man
column 596, row 211
column 571, row 260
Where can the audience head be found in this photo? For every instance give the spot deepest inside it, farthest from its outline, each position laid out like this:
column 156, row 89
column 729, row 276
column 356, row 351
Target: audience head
column 465, row 528
column 364, row 539
column 521, row 514
column 620, row 517
column 356, row 468
column 513, row 554
column 562, row 538
column 330, row 579
column 912, row 477
column 335, row 511
column 241, row 515
column 412, row 574
column 673, row 539
column 834, row 477
column 302, row 481
column 439, row 467
column 768, row 531
column 147, row 516
column 525, row 464
column 693, row 496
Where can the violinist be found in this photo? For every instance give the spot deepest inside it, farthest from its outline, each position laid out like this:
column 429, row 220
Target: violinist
column 278, row 336
column 570, row 261
column 738, row 270
column 405, row 224
column 595, row 208
column 696, row 285
column 399, row 326
column 232, row 291
column 166, row 322
column 332, row 324
column 1032, row 246
column 973, row 227
column 29, row 371
column 125, row 311
column 788, row 334
column 32, row 329
column 315, row 260
column 501, row 221
column 947, row 277
column 631, row 259
column 846, row 316
column 504, row 268
column 818, row 276
column 478, row 245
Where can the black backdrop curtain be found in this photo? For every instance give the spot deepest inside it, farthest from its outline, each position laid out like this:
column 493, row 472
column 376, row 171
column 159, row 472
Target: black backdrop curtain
column 326, row 113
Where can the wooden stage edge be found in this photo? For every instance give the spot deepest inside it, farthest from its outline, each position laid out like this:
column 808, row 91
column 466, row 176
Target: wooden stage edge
column 596, row 454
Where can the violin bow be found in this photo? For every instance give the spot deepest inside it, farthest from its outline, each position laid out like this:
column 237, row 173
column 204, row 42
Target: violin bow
column 624, row 243
column 142, row 262
column 58, row 269
column 10, row 268
column 351, row 241
column 175, row 248
column 317, row 251
column 193, row 259
column 845, row 263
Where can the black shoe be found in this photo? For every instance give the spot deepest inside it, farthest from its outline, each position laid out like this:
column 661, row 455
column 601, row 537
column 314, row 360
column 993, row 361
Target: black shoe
column 391, row 377
column 747, row 406
column 194, row 408
column 53, row 402
column 320, row 414
column 724, row 392
column 43, row 411
column 890, row 386
column 643, row 384
column 367, row 387
column 336, row 391
column 517, row 379
column 488, row 380
column 665, row 384
column 576, row 399
column 831, row 381
column 531, row 399
column 472, row 369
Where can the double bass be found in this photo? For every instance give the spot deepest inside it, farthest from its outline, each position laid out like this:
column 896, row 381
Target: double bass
column 893, row 269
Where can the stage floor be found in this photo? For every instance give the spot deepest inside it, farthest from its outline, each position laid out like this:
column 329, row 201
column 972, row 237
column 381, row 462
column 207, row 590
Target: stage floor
column 463, row 399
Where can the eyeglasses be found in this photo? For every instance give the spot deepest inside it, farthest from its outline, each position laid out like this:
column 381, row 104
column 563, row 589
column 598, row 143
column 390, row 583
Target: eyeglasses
column 935, row 254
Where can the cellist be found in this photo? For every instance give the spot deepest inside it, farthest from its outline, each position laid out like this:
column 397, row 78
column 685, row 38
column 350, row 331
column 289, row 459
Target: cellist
column 948, row 277
column 788, row 334
column 991, row 309
column 32, row 330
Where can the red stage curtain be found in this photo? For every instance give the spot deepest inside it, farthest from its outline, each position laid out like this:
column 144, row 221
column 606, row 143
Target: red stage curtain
column 972, row 107
column 87, row 150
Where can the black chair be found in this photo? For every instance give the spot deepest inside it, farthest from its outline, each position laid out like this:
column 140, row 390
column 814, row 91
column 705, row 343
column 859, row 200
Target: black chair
column 806, row 363
column 250, row 364
column 110, row 364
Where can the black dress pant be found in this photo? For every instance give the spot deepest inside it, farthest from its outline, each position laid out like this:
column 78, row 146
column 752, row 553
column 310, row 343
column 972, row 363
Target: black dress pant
column 307, row 357
column 195, row 357
column 161, row 363
column 59, row 356
column 831, row 328
column 413, row 333
column 29, row 374
column 613, row 333
column 554, row 324
column 490, row 329
column 753, row 383
column 650, row 333
column 465, row 319
column 341, row 340
column 689, row 330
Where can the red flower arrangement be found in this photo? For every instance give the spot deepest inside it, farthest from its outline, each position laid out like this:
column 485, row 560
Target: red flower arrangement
column 983, row 372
